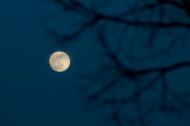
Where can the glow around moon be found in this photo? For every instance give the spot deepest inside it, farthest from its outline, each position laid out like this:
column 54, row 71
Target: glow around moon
column 59, row 61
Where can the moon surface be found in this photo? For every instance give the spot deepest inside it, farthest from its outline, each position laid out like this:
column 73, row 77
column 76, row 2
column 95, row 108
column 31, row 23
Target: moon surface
column 59, row 61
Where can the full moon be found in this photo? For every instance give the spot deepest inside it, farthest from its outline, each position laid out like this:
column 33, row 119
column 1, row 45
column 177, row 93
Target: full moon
column 59, row 61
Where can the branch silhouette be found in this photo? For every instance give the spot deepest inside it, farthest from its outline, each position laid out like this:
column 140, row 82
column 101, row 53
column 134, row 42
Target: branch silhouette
column 143, row 80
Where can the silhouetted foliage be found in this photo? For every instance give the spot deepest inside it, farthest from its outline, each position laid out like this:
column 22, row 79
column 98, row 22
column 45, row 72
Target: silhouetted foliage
column 119, row 83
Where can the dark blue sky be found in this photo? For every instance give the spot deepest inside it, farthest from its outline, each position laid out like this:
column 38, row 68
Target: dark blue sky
column 31, row 94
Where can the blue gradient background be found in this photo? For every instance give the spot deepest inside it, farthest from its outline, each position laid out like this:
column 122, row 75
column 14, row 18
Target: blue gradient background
column 31, row 94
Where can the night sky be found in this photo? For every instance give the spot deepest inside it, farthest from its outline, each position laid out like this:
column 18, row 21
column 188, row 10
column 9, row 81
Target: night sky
column 32, row 94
